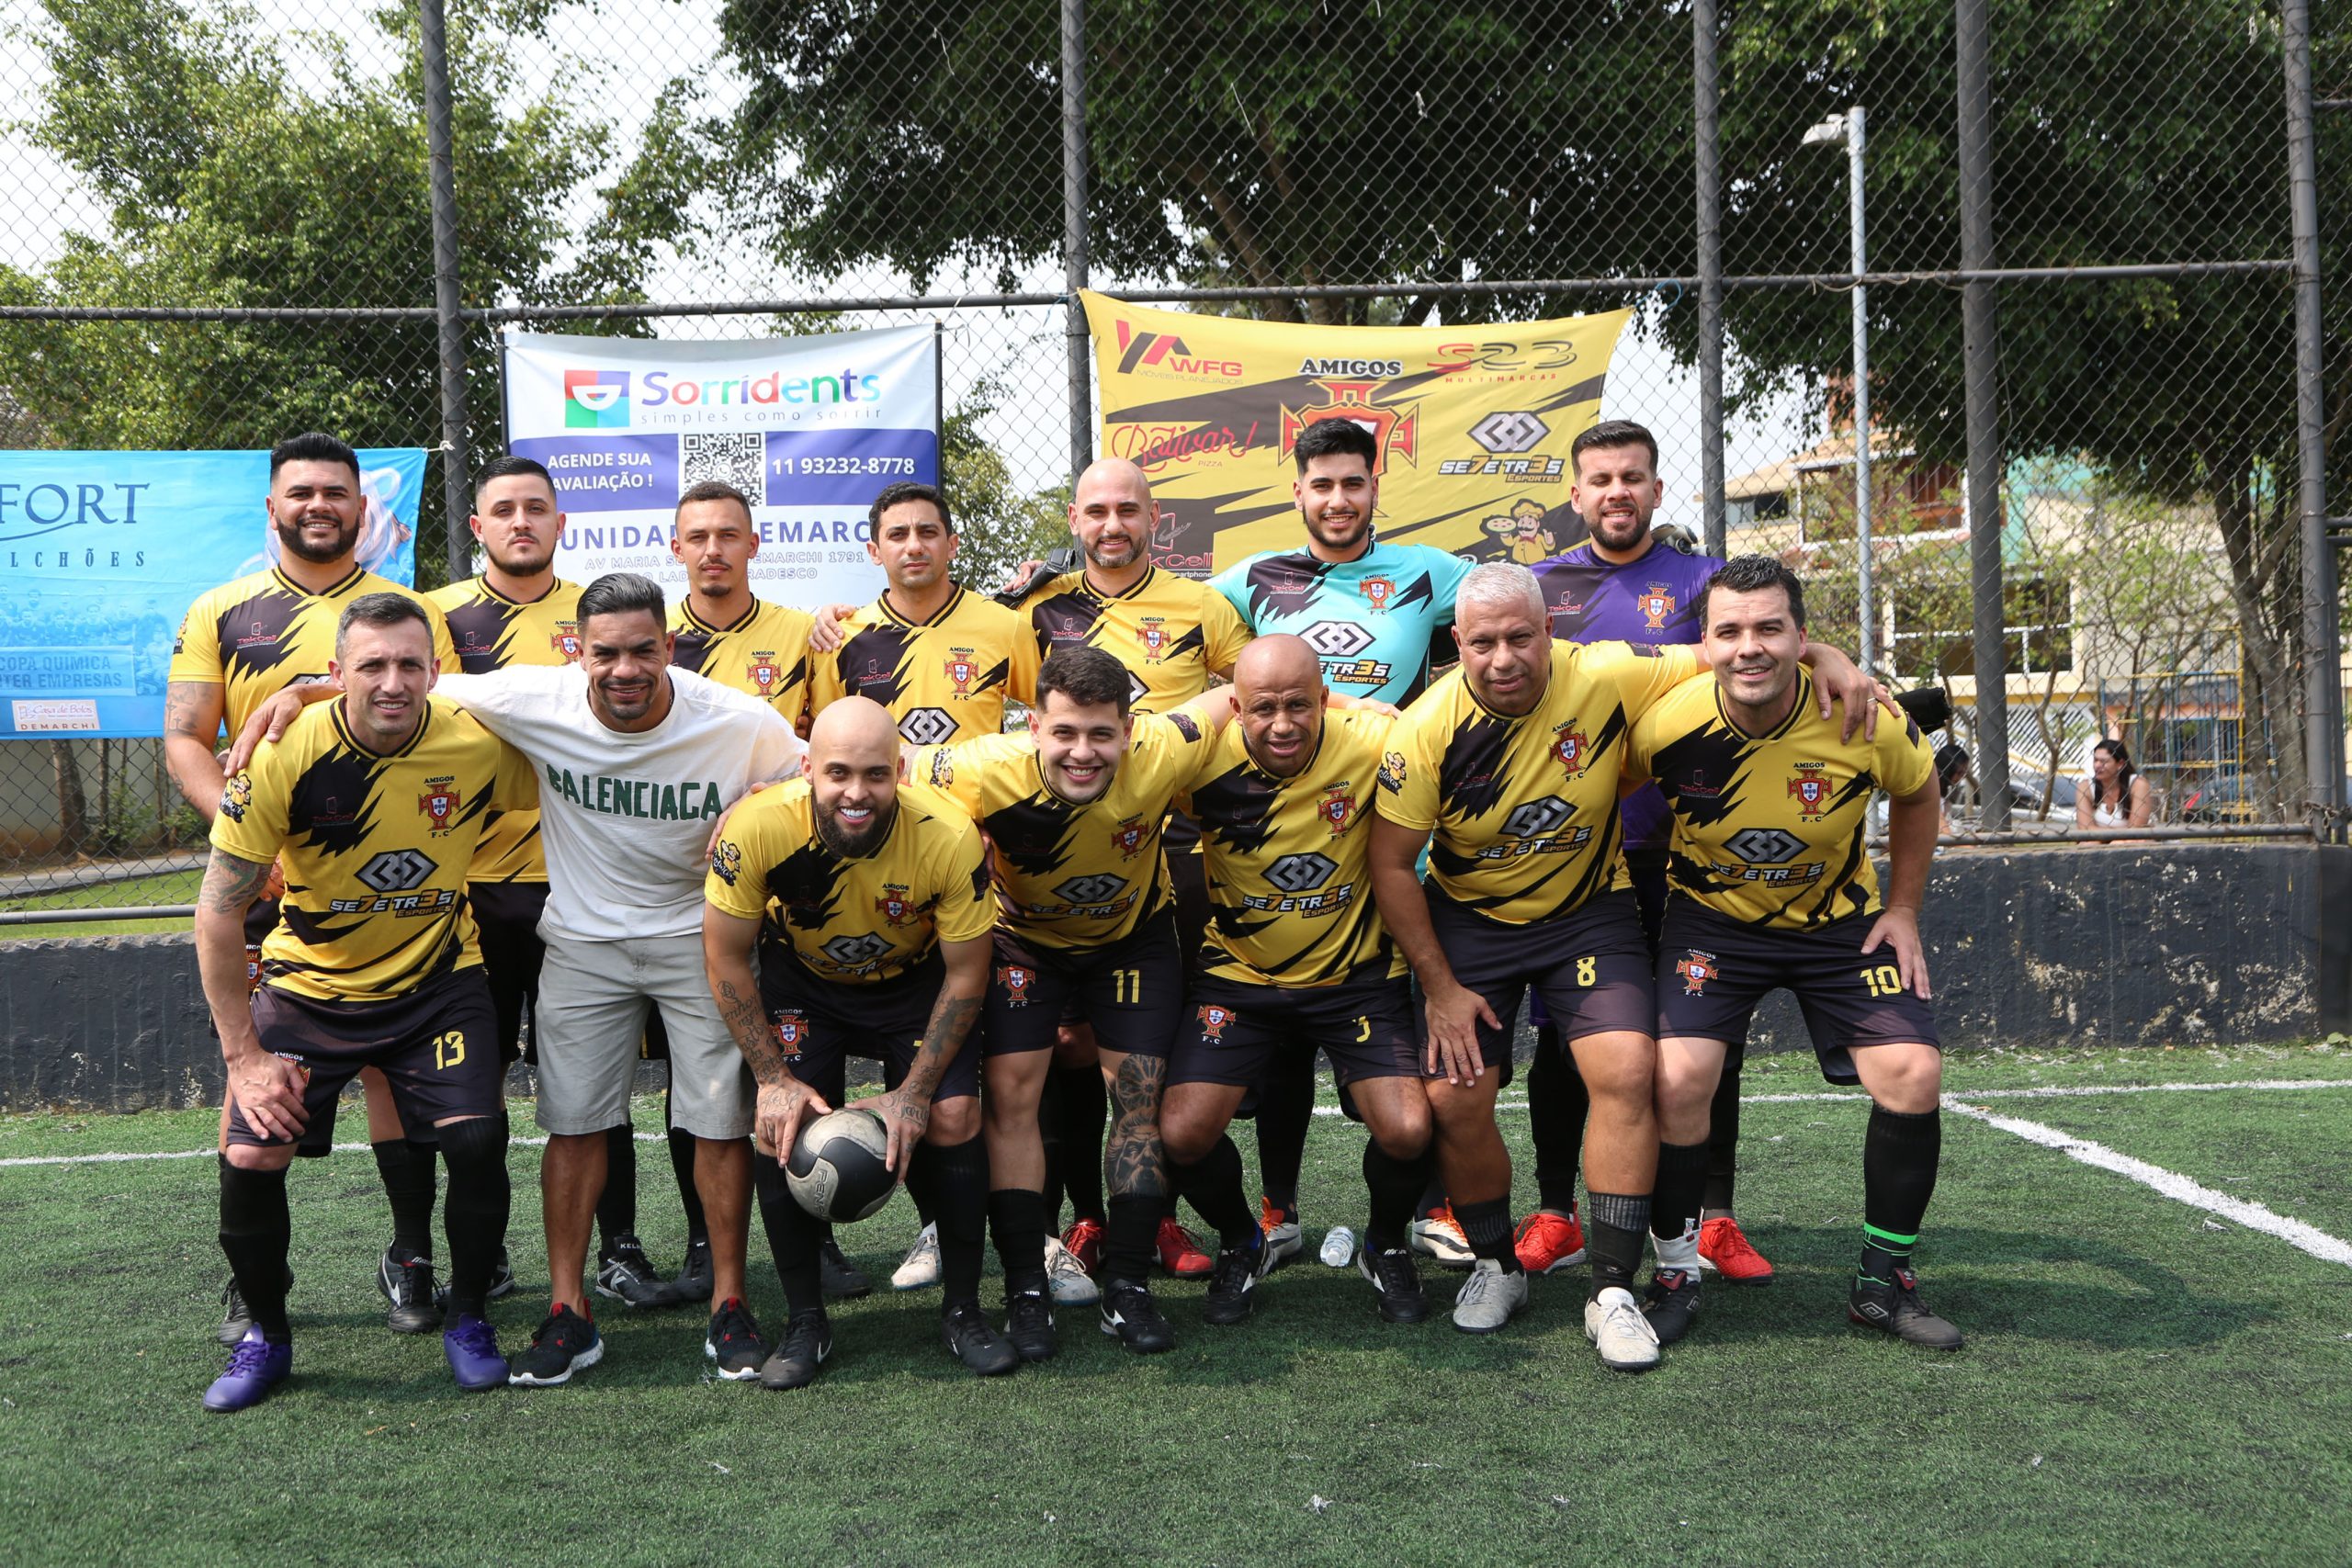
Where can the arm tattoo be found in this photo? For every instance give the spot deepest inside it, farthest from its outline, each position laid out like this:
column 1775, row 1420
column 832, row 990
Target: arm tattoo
column 1132, row 1159
column 230, row 884
column 951, row 1021
column 185, row 704
column 748, row 1022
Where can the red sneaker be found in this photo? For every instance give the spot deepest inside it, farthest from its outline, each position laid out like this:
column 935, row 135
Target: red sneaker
column 1547, row 1242
column 1180, row 1254
column 1084, row 1238
column 1722, row 1248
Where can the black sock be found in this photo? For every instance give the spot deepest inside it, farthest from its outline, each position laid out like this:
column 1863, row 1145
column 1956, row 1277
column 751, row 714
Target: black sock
column 1084, row 1107
column 1213, row 1186
column 1673, row 1208
column 1615, row 1225
column 1899, row 1157
column 1723, row 1138
column 1557, row 1103
column 791, row 1236
column 1432, row 1196
column 1127, row 1236
column 616, row 1206
column 256, row 1232
column 1486, row 1226
column 476, row 1212
column 682, row 1162
column 1394, row 1184
column 955, row 1178
column 407, row 1170
column 1017, row 1223
column 1286, row 1111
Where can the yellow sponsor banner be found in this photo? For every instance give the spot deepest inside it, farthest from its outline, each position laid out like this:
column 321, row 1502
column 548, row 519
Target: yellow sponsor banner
column 1473, row 424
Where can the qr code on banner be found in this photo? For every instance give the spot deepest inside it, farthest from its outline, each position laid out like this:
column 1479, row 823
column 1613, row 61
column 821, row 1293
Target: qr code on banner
column 735, row 456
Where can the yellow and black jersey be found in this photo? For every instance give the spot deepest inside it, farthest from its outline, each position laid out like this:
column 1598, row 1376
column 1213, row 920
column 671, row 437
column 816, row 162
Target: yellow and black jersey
column 946, row 680
column 491, row 632
column 1170, row 632
column 259, row 635
column 1071, row 876
column 763, row 654
column 1290, row 897
column 374, row 848
column 854, row 922
column 1525, row 809
column 1768, row 829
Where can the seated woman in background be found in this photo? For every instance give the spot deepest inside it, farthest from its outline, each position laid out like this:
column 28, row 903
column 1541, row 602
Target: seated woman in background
column 2118, row 797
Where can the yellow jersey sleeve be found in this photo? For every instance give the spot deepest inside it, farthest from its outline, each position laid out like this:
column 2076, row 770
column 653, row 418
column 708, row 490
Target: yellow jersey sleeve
column 1639, row 675
column 1166, row 749
column 195, row 651
column 1905, row 762
column 251, row 823
column 737, row 883
column 1409, row 794
column 1223, row 633
column 965, row 910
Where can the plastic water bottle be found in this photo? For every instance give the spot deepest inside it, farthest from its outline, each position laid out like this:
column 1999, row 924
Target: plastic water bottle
column 1339, row 1247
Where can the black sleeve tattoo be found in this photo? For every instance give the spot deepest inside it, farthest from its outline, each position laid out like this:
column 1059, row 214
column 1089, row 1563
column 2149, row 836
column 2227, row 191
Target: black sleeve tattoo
column 951, row 1022
column 1133, row 1165
column 747, row 1021
column 230, row 884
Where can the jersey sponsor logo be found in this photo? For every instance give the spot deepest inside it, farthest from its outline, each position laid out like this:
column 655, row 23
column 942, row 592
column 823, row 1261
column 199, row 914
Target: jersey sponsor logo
column 439, row 804
column 1152, row 632
column 791, row 1033
column 237, row 795
column 1569, row 745
column 1655, row 607
column 565, row 639
column 895, row 908
column 1015, row 981
column 1507, row 432
column 1129, row 836
column 1765, row 846
column 1185, row 727
column 1392, row 771
column 1356, row 671
column 764, row 673
column 1300, row 874
column 963, row 669
column 1214, row 1018
column 1696, row 969
column 1811, row 787
column 397, row 871
column 727, row 862
column 929, row 727
column 1537, row 817
column 259, row 636
column 1337, row 639
column 1337, row 807
column 1097, row 889
column 1377, row 591
column 858, row 951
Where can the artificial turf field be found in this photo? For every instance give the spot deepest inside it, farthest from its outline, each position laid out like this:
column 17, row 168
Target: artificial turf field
column 2144, row 1382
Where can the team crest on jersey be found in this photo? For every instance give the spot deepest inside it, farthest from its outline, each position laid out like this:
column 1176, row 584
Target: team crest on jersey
column 962, row 669
column 1129, row 836
column 1213, row 1019
column 565, row 639
column 1811, row 787
column 1568, row 744
column 439, row 804
column 1696, row 969
column 1153, row 632
column 1377, row 591
column 1337, row 807
column 1392, row 771
column 727, row 862
column 792, row 1034
column 1655, row 607
column 763, row 674
column 236, row 797
column 1015, row 982
column 895, row 907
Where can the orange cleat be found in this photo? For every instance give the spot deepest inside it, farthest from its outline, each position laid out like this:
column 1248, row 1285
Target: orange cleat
column 1284, row 1241
column 1084, row 1238
column 1180, row 1254
column 1724, row 1249
column 1440, row 1237
column 1546, row 1242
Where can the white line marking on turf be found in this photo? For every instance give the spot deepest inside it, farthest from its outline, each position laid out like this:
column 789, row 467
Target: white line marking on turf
column 2178, row 1187
column 206, row 1154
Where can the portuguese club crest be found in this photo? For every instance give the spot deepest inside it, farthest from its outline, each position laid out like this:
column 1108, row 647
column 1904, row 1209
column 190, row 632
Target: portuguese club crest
column 439, row 804
column 1696, row 969
column 763, row 674
column 1154, row 635
column 1394, row 429
column 895, row 907
column 791, row 1031
column 1337, row 807
column 1655, row 607
column 1015, row 981
column 963, row 669
column 1213, row 1019
column 1377, row 591
column 1568, row 745
column 1811, row 787
column 565, row 639
column 1129, row 836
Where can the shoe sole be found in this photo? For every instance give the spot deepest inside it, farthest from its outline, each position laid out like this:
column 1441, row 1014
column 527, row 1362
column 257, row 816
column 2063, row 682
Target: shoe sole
column 1282, row 1252
column 1628, row 1366
column 425, row 1326
column 651, row 1297
column 788, row 1387
column 1569, row 1261
column 1708, row 1265
column 1093, row 1296
column 1112, row 1330
column 465, row 1387
column 1860, row 1322
column 927, row 1282
column 1491, row 1328
column 1388, row 1316
column 748, row 1375
column 579, row 1363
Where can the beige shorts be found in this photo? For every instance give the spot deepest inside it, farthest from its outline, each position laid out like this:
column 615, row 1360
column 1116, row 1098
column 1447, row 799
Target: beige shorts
column 594, row 999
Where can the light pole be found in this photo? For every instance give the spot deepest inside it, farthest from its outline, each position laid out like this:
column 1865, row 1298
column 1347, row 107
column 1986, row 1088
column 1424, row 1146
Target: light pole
column 1846, row 129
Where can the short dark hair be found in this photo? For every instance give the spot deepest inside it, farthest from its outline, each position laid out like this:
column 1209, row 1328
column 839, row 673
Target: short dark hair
column 1753, row 574
column 622, row 593
column 314, row 447
column 1613, row 433
column 711, row 489
column 379, row 610
column 1336, row 439
column 511, row 467
column 1087, row 676
column 898, row 494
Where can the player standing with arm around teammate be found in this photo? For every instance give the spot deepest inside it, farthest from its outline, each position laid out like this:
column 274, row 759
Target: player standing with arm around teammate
column 1773, row 887
column 377, row 802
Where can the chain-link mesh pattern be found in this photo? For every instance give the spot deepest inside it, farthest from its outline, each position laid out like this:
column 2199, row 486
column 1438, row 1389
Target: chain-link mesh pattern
column 637, row 167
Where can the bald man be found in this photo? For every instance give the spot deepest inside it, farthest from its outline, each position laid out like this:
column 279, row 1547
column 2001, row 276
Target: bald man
column 866, row 901
column 1296, row 957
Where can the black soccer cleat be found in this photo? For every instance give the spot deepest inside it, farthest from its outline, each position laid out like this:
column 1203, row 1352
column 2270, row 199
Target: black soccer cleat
column 1671, row 1303
column 566, row 1343
column 1029, row 1324
column 235, row 1317
column 405, row 1279
column 1130, row 1316
column 808, row 1340
column 695, row 1280
column 624, row 1273
column 972, row 1339
column 841, row 1279
column 1892, row 1307
column 502, row 1283
column 1232, row 1286
column 734, row 1342
column 1393, row 1275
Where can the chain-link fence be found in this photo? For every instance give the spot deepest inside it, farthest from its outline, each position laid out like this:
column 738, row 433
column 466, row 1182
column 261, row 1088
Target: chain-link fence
column 219, row 228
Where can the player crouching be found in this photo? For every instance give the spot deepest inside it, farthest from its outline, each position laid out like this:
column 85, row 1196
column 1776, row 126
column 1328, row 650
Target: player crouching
column 1770, row 885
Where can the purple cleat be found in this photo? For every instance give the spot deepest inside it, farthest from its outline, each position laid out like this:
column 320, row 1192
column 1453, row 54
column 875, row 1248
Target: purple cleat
column 256, row 1366
column 471, row 1345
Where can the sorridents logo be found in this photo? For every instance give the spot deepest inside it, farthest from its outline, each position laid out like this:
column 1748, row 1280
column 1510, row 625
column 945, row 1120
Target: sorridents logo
column 1166, row 351
column 1394, row 430
column 596, row 400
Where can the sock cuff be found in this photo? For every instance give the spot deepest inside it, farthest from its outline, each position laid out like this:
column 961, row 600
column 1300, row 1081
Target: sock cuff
column 1888, row 1238
column 1624, row 1211
column 1905, row 1118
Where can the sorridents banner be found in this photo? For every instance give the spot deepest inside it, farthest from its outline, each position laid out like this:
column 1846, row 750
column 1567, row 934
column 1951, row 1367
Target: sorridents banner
column 810, row 428
column 1473, row 424
column 101, row 553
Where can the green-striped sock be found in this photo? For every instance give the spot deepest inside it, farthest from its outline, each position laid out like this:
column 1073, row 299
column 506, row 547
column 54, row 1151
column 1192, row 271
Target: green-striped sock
column 1883, row 1253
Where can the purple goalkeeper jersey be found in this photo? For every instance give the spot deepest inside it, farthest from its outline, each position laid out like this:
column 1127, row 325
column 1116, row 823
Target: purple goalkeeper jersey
column 1653, row 601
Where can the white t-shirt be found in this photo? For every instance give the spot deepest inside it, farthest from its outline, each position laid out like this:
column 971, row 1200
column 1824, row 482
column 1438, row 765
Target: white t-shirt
column 626, row 818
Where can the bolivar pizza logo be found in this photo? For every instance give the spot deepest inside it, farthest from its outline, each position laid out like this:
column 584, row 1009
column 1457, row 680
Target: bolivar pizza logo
column 1393, row 429
column 727, row 862
column 1655, row 607
column 1392, row 771
column 943, row 768
column 565, row 639
column 1128, row 837
column 439, row 804
column 1811, row 787
column 894, row 906
column 1213, row 1020
column 791, row 1032
column 1377, row 591
column 1015, row 981
column 237, row 796
column 962, row 669
column 763, row 674
column 1153, row 633
column 1568, row 744
column 1337, row 807
column 1696, row 970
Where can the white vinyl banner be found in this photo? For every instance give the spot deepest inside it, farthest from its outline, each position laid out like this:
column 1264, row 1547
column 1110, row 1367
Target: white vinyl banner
column 810, row 428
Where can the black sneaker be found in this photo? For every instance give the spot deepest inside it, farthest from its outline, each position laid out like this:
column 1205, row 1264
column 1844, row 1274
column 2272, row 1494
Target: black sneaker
column 502, row 1283
column 1133, row 1318
column 1029, row 1324
column 734, row 1342
column 1399, row 1280
column 695, row 1280
column 624, row 1273
column 235, row 1317
column 1232, row 1289
column 1671, row 1303
column 972, row 1339
column 1892, row 1307
column 566, row 1343
column 405, row 1279
column 841, row 1279
column 808, row 1340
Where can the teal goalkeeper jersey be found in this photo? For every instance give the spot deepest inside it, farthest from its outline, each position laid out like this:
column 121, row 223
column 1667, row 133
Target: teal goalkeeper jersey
column 1369, row 620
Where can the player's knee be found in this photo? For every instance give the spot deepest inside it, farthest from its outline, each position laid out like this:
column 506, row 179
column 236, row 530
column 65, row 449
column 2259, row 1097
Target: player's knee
column 954, row 1121
column 474, row 1147
column 1401, row 1130
column 1186, row 1133
column 252, row 1156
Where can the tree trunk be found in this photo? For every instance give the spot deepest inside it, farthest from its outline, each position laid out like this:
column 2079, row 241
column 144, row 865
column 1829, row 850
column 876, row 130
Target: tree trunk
column 2268, row 690
column 73, row 807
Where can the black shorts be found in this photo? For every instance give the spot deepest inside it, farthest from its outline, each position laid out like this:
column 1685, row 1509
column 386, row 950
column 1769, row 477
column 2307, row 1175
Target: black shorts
column 261, row 919
column 1589, row 966
column 1233, row 1030
column 820, row 1022
column 1714, row 970
column 1647, row 867
column 1188, row 878
column 506, row 914
column 1131, row 991
column 438, row 1047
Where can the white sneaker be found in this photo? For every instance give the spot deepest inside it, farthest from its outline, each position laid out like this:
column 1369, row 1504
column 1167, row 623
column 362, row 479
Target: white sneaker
column 1284, row 1241
column 1618, row 1330
column 921, row 1271
column 1066, row 1277
column 1491, row 1298
column 1440, row 1237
